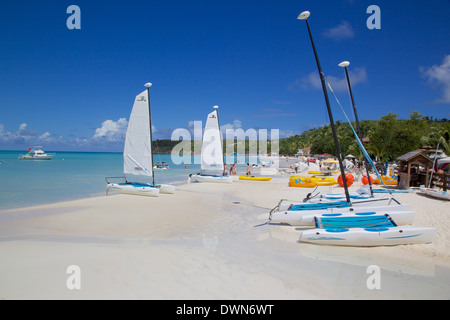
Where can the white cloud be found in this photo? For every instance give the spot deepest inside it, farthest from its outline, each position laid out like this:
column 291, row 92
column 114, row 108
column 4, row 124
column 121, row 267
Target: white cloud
column 440, row 75
column 22, row 135
column 47, row 137
column 312, row 81
column 111, row 131
column 340, row 32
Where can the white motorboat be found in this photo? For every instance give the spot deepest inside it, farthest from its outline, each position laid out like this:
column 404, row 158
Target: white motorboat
column 36, row 153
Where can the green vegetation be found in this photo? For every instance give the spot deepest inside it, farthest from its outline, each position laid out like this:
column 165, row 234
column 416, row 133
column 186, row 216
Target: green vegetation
column 195, row 146
column 389, row 137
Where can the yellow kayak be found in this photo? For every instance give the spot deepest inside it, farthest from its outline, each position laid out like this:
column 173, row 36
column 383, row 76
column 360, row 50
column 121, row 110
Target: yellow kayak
column 389, row 180
column 324, row 181
column 320, row 181
column 254, row 178
column 314, row 178
column 302, row 183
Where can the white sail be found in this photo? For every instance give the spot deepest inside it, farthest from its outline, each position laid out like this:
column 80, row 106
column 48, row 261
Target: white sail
column 212, row 149
column 137, row 154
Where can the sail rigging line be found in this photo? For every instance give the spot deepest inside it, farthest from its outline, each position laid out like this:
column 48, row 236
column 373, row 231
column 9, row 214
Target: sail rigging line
column 361, row 146
column 358, row 128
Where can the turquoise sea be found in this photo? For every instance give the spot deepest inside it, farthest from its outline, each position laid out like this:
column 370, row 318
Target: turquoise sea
column 69, row 176
column 74, row 175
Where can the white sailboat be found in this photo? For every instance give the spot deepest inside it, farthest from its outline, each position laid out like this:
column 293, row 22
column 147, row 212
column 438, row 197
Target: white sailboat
column 138, row 171
column 212, row 163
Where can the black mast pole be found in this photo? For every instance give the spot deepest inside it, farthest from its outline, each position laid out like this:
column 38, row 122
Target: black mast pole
column 304, row 16
column 345, row 64
column 148, row 85
column 221, row 138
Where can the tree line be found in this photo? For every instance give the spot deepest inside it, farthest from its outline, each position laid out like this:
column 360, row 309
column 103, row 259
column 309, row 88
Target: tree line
column 386, row 139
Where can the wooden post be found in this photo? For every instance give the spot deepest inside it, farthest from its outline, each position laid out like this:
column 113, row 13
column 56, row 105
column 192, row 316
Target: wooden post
column 409, row 175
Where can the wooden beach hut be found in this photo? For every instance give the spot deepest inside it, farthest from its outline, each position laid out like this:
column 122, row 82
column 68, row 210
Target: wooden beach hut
column 414, row 169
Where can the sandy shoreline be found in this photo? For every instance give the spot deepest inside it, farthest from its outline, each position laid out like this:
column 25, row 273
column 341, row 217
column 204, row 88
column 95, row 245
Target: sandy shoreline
column 208, row 241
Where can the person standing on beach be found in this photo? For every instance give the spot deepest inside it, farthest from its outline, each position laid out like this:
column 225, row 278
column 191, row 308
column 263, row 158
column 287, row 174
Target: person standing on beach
column 248, row 169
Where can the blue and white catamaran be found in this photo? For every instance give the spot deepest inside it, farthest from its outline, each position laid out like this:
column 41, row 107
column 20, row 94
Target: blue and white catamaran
column 282, row 212
column 365, row 231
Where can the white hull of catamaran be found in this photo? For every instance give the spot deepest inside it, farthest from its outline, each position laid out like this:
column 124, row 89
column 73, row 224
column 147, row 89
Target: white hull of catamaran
column 401, row 218
column 370, row 202
column 166, row 188
column 306, row 217
column 435, row 193
column 214, row 179
column 371, row 237
column 135, row 189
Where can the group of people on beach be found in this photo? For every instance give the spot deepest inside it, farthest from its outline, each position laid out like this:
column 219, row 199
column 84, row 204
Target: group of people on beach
column 232, row 171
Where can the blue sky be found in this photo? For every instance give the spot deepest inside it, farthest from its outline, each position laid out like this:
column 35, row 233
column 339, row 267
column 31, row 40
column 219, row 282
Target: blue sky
column 74, row 89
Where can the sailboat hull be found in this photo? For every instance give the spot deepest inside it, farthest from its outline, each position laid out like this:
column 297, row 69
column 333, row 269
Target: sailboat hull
column 400, row 217
column 166, row 188
column 435, row 193
column 371, row 237
column 213, row 179
column 370, row 202
column 132, row 188
column 306, row 217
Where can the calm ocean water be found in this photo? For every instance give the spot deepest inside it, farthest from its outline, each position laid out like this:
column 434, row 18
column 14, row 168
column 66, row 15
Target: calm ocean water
column 74, row 175
column 69, row 176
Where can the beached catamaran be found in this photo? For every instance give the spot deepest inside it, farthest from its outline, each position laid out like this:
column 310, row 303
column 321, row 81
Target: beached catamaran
column 354, row 223
column 347, row 201
column 137, row 154
column 212, row 162
column 389, row 235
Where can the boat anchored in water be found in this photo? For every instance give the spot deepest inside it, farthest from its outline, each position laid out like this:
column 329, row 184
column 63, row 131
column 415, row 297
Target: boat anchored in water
column 36, row 153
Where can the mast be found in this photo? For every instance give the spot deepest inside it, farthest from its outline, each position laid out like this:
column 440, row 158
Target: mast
column 304, row 16
column 221, row 138
column 148, row 85
column 345, row 64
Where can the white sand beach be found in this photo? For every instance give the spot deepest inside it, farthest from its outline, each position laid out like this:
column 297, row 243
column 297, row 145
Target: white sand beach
column 208, row 241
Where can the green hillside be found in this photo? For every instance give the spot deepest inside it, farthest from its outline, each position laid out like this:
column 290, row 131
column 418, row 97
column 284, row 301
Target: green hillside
column 387, row 138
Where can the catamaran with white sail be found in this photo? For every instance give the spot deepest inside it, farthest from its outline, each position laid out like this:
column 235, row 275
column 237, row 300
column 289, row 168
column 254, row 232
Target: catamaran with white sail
column 139, row 178
column 212, row 163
